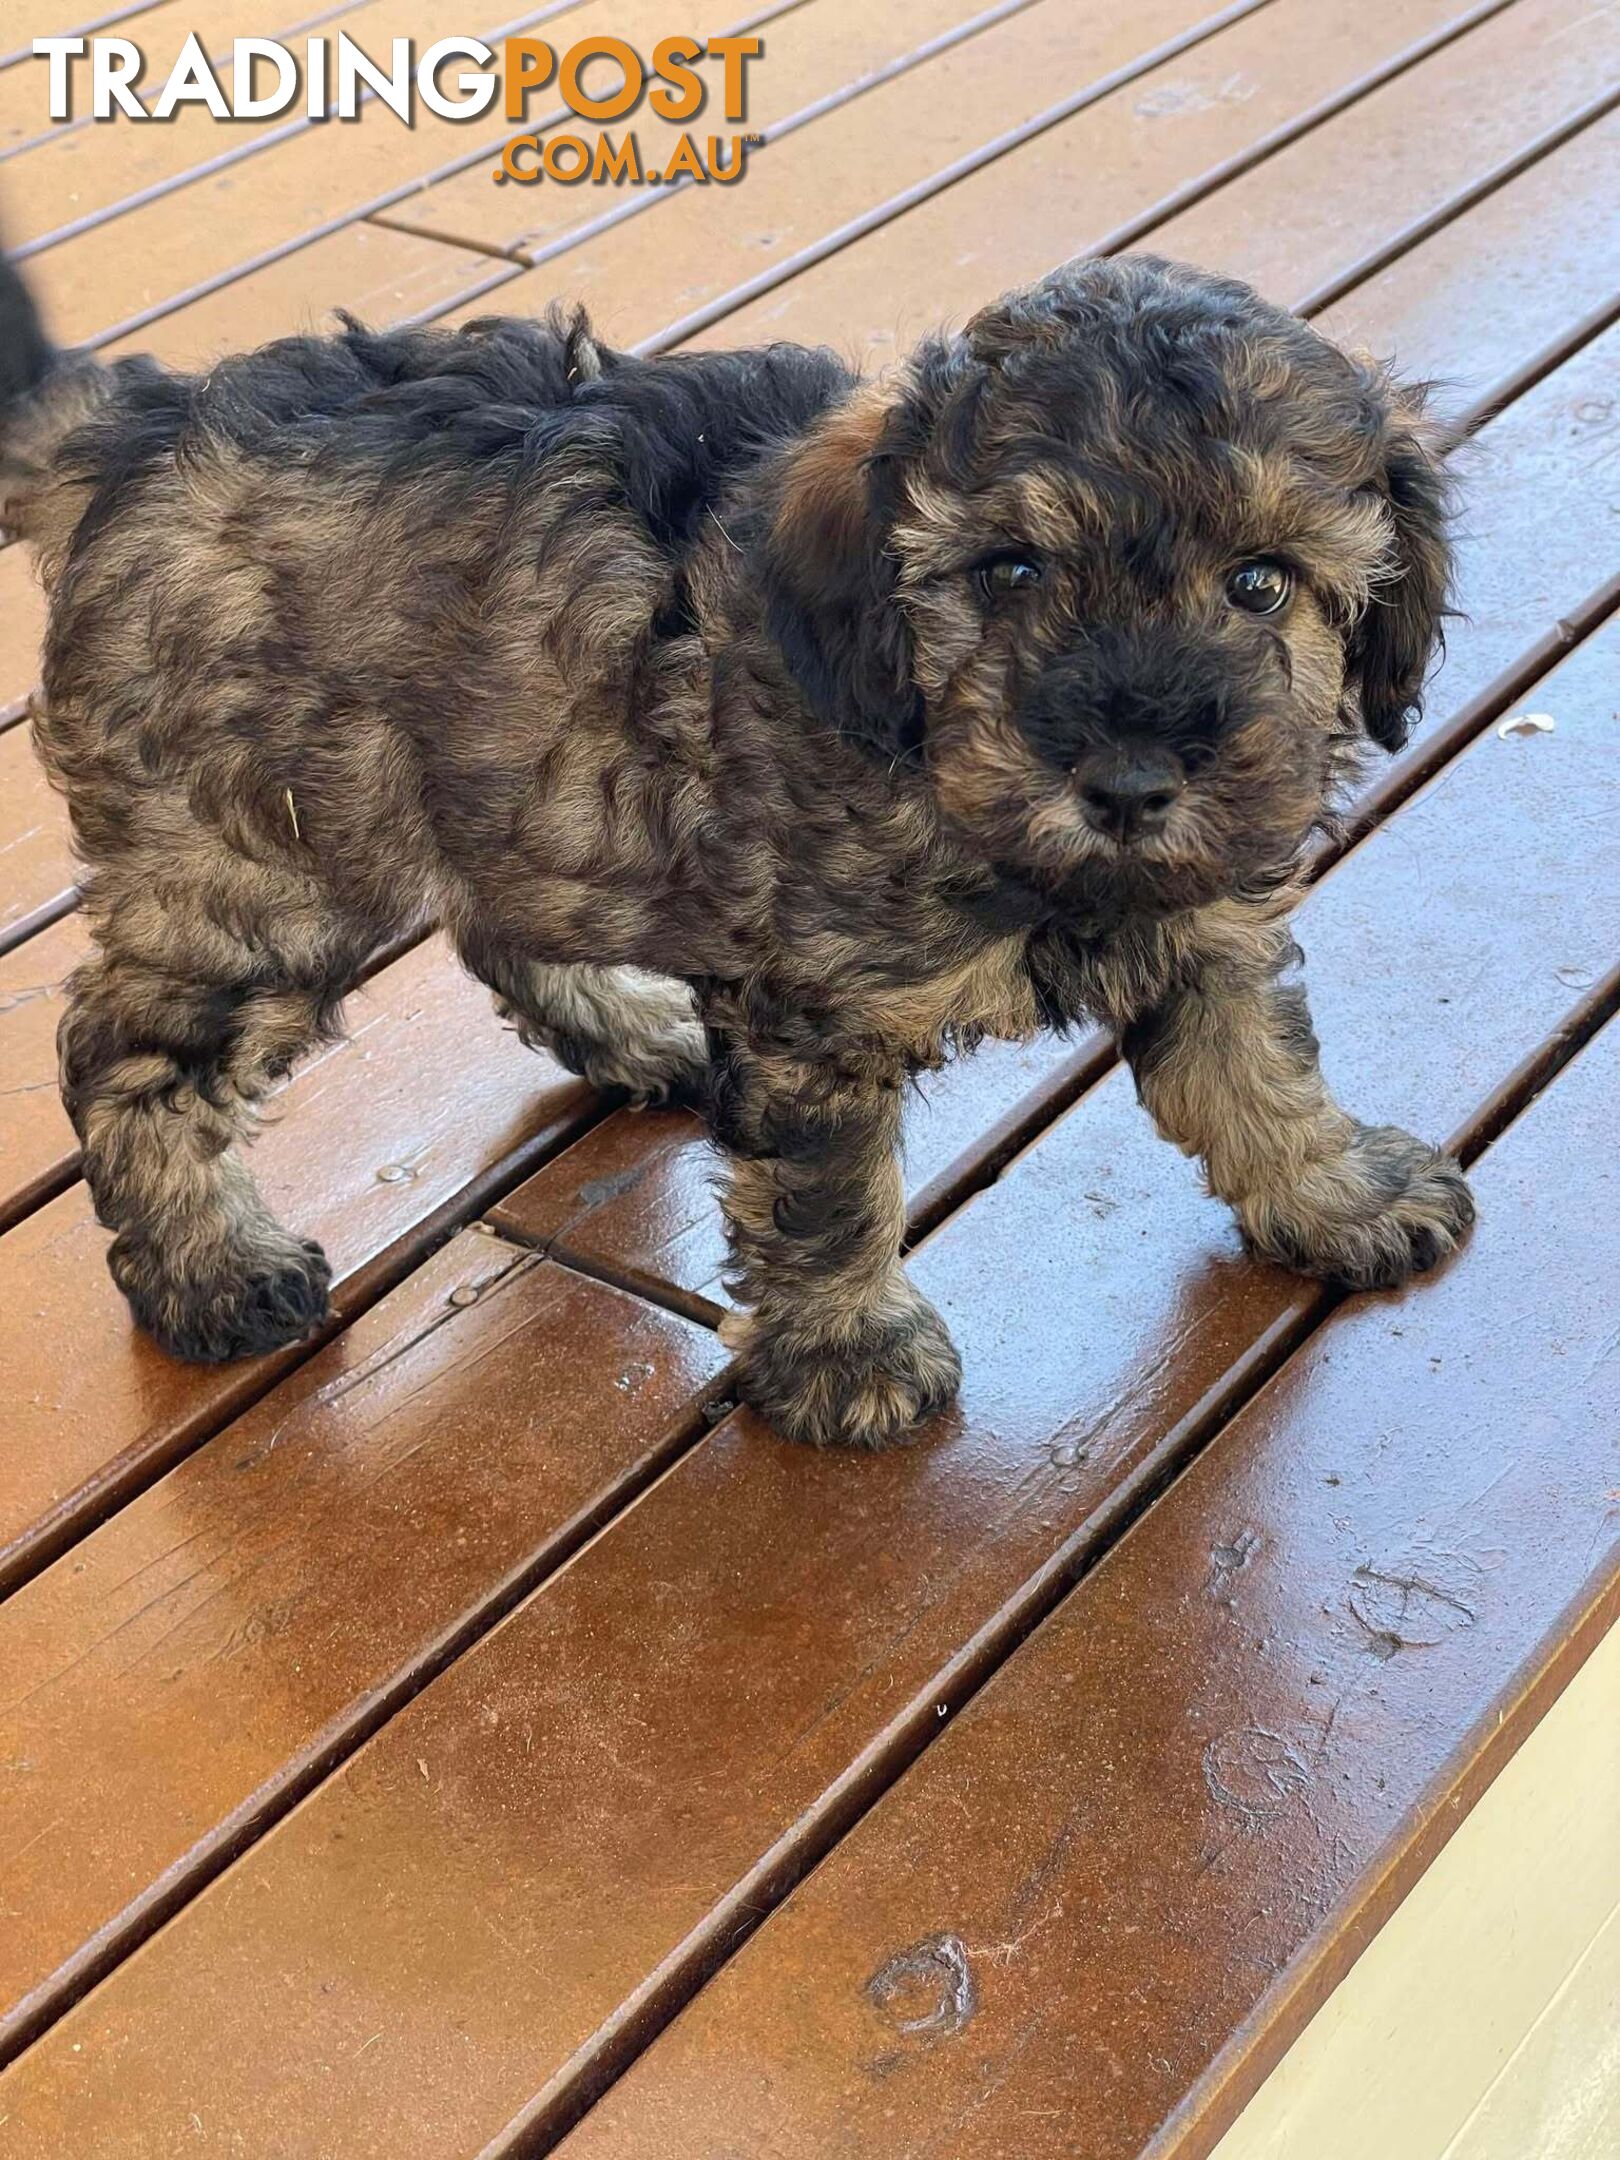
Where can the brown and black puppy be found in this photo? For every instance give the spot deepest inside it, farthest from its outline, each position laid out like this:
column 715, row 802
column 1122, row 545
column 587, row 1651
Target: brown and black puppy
column 757, row 733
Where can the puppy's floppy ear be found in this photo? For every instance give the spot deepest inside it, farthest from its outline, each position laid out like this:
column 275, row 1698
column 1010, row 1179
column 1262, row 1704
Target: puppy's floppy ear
column 829, row 581
column 1393, row 642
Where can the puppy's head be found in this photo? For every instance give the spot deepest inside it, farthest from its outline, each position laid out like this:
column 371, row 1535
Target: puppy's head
column 1127, row 566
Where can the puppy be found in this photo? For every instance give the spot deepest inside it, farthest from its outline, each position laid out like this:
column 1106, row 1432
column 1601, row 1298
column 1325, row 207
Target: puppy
column 761, row 735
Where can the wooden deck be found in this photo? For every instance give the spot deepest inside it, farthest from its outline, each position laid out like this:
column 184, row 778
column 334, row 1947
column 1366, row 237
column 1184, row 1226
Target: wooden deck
column 468, row 1737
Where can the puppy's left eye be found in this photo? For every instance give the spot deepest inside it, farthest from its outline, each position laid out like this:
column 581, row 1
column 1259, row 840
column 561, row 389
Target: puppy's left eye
column 1004, row 574
column 1261, row 587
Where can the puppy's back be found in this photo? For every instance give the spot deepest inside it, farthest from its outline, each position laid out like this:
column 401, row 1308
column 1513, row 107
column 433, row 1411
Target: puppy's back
column 79, row 442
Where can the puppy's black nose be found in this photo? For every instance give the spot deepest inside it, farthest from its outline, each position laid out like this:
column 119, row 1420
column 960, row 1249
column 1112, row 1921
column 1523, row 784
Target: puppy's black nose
column 1129, row 794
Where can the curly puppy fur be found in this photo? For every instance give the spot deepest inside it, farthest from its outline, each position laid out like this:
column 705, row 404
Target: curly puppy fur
column 760, row 734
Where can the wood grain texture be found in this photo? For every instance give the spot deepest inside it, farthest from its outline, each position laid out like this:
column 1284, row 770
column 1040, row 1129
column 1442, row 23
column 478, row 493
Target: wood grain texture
column 192, row 1662
column 37, row 870
column 827, row 52
column 38, row 1151
column 819, row 1613
column 269, row 195
column 1118, row 168
column 1470, row 2025
column 650, row 274
column 1094, row 1914
column 22, row 622
column 627, row 1745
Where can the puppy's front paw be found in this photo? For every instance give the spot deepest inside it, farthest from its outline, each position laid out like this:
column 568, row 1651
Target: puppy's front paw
column 864, row 1386
column 248, row 1296
column 1385, row 1210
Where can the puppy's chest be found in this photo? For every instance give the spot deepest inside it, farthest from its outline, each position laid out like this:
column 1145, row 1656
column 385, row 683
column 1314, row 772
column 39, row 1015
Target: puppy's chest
column 929, row 1018
column 1081, row 971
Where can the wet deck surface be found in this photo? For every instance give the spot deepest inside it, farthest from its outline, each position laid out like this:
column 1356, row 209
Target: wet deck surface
column 463, row 1736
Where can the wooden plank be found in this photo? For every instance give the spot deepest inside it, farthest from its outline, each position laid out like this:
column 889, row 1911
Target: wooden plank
column 37, row 871
column 987, row 1093
column 389, row 276
column 633, row 1201
column 1491, row 289
column 25, row 120
column 38, row 1153
column 46, row 18
column 999, row 1076
column 82, row 177
column 22, row 624
column 378, row 1146
column 955, row 66
column 380, row 275
column 1444, row 2036
column 292, row 275
column 1125, row 163
column 155, row 256
column 24, row 88
column 1280, row 227
column 654, row 272
column 25, row 104
column 454, row 197
column 82, row 174
column 821, row 1612
column 205, row 1653
column 1094, row 1914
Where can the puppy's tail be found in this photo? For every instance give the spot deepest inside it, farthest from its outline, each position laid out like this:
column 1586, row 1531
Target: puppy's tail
column 44, row 393
column 27, row 356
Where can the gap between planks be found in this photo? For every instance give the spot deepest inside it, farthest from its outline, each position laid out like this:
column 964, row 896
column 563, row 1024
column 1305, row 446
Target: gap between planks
column 241, row 152
column 1207, row 183
column 832, row 101
column 104, row 21
column 647, row 2012
column 1372, row 809
column 363, row 211
column 479, row 1620
column 367, row 1286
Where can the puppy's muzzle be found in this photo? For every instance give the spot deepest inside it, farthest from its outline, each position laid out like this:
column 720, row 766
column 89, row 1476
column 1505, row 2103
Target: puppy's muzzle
column 1129, row 791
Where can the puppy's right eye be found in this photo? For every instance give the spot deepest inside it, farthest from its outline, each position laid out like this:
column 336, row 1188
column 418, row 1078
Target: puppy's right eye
column 1261, row 587
column 1005, row 574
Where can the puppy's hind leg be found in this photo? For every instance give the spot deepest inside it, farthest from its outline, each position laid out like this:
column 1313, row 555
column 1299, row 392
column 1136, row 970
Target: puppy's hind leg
column 172, row 1033
column 615, row 1026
